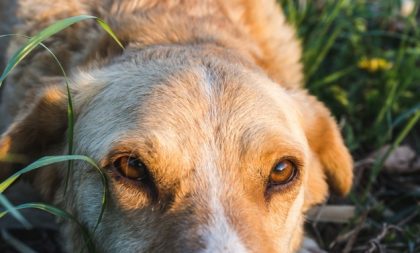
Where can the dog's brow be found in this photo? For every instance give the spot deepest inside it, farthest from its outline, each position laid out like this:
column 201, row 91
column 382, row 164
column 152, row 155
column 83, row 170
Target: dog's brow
column 264, row 139
column 144, row 148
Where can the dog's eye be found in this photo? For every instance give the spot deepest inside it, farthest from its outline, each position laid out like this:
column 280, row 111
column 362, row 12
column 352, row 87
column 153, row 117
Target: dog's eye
column 131, row 168
column 283, row 172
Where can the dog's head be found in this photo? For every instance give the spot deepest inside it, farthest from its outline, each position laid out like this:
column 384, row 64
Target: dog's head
column 202, row 153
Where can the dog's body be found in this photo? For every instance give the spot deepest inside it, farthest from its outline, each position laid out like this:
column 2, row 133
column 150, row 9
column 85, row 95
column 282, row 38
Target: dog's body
column 205, row 98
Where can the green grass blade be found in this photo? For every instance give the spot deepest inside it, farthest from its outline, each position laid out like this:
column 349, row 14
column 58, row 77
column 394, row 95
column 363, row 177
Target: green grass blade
column 333, row 77
column 36, row 40
column 24, row 51
column 13, row 211
column 70, row 113
column 315, row 49
column 292, row 12
column 48, row 160
column 389, row 101
column 108, row 29
column 406, row 115
column 45, row 34
column 59, row 213
column 70, row 117
column 380, row 161
column 15, row 243
column 322, row 52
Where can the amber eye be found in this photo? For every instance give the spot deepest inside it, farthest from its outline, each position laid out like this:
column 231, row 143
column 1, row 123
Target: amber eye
column 131, row 168
column 283, row 172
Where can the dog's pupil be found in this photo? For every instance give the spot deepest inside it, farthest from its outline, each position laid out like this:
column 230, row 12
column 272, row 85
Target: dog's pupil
column 133, row 168
column 133, row 162
column 282, row 172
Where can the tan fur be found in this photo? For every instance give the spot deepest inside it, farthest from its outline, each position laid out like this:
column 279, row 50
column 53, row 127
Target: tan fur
column 207, row 93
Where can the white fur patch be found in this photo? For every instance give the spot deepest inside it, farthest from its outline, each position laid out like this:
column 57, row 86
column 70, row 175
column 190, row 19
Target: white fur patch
column 218, row 234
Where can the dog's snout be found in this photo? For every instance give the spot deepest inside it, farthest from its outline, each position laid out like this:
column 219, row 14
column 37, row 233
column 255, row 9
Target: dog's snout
column 219, row 235
column 232, row 230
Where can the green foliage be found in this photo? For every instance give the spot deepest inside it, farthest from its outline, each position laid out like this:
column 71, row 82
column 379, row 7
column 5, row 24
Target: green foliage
column 49, row 31
column 361, row 58
column 48, row 160
column 13, row 210
column 16, row 58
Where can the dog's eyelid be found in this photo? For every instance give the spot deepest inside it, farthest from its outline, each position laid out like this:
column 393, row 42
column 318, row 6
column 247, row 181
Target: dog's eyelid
column 298, row 162
column 290, row 150
column 119, row 152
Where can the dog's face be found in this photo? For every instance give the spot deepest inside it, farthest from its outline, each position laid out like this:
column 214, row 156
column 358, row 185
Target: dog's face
column 202, row 154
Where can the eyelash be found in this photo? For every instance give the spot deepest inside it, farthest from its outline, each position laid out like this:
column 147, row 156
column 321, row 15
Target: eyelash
column 292, row 159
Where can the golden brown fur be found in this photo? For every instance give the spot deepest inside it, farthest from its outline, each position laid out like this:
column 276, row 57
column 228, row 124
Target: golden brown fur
column 207, row 93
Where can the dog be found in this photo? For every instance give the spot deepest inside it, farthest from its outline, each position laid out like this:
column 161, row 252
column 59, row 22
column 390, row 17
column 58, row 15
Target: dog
column 201, row 124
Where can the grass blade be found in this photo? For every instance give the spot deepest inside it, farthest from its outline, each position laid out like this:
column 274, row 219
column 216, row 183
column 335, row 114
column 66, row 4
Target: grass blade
column 322, row 52
column 16, row 59
column 59, row 213
column 406, row 115
column 380, row 161
column 70, row 114
column 15, row 243
column 37, row 40
column 13, row 210
column 108, row 29
column 45, row 34
column 48, row 160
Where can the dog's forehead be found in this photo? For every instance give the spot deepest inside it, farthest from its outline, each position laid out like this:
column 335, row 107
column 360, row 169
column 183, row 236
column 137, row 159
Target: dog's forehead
column 184, row 106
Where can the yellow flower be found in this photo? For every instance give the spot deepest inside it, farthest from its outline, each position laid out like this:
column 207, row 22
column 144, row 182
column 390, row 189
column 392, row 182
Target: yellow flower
column 374, row 64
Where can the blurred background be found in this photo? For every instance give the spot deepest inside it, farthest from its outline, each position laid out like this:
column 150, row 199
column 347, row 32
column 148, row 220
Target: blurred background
column 362, row 58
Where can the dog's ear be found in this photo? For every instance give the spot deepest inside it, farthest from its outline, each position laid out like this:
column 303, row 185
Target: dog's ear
column 329, row 157
column 39, row 125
